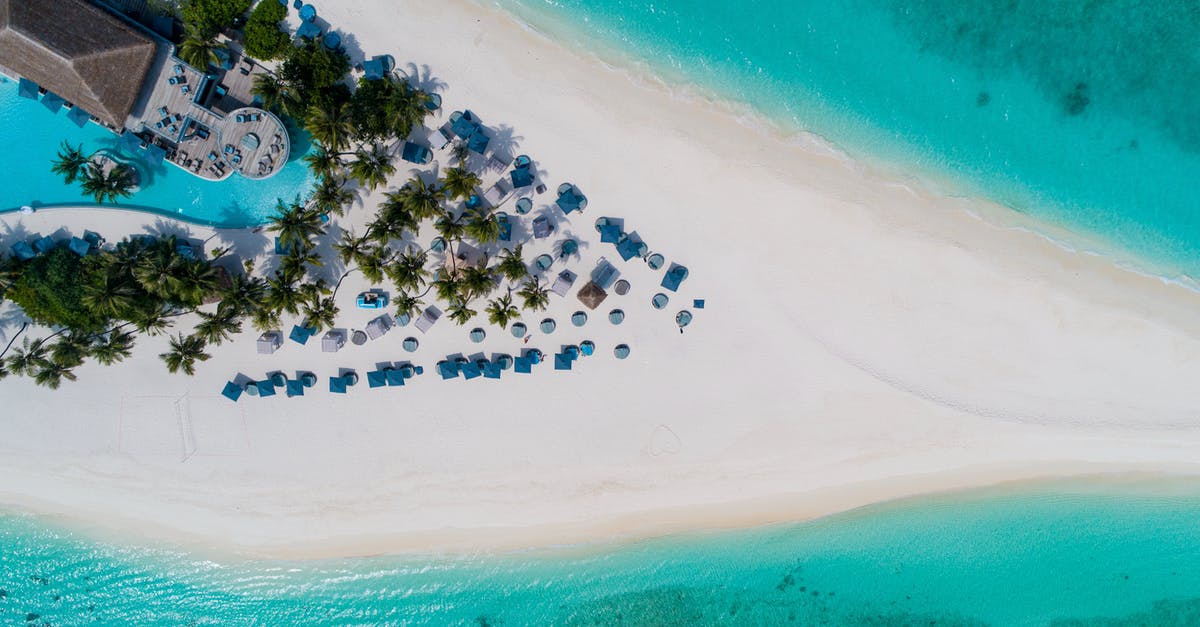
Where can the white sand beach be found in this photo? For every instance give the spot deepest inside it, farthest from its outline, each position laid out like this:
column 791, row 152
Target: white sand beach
column 862, row 340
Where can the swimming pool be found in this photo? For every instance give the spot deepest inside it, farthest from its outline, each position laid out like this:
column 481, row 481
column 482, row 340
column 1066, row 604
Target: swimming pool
column 30, row 136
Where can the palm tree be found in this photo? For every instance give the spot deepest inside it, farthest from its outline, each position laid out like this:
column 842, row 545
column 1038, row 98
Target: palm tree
column 447, row 286
column 484, row 227
column 118, row 182
column 194, row 282
column 477, row 281
column 460, row 312
column 199, row 51
column 331, row 196
column 52, row 374
column 116, row 347
column 323, row 162
column 459, row 183
column 320, row 312
column 350, row 246
column 184, row 353
column 330, row 125
column 265, row 319
column 29, row 358
column 109, row 294
column 297, row 261
column 371, row 168
column 422, row 200
column 512, row 266
column 459, row 152
column 533, row 296
column 282, row 294
column 71, row 349
column 373, row 263
column 243, row 294
column 450, row 227
column 156, row 273
column 273, row 92
column 215, row 328
column 407, row 304
column 501, row 310
column 409, row 273
column 407, row 109
column 152, row 322
column 70, row 162
column 295, row 225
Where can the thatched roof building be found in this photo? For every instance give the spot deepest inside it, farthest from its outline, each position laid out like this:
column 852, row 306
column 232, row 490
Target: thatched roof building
column 78, row 51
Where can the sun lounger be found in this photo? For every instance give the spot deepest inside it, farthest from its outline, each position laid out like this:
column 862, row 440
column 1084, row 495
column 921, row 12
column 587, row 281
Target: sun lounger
column 563, row 282
column 427, row 319
column 438, row 138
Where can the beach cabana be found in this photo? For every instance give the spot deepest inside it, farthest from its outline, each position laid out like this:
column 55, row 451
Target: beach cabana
column 629, row 248
column 591, row 295
column 232, row 391
column 393, row 377
column 428, row 318
column 542, row 227
column 300, row 334
column 521, row 177
column 674, row 277
column 269, row 342
column 563, row 282
column 337, row 385
column 519, row 329
column 23, row 251
column 562, row 361
column 522, row 365
column 376, row 379
column 416, row 153
column 294, row 387
column 378, row 326
column 448, row 369
column 333, row 341
column 569, row 199
column 470, row 370
column 265, row 388
column 308, row 30
column 491, row 370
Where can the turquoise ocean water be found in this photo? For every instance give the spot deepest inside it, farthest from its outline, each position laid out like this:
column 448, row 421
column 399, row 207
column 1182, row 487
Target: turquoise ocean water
column 1079, row 112
column 31, row 136
column 1058, row 555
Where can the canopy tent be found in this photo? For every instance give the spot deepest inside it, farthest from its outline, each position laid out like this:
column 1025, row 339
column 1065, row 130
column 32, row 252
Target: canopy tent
column 563, row 282
column 522, row 177
column 333, row 341
column 269, row 342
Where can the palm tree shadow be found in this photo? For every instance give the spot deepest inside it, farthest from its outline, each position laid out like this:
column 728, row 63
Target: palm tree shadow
column 504, row 142
column 352, row 48
column 162, row 227
column 15, row 233
column 243, row 243
column 422, row 78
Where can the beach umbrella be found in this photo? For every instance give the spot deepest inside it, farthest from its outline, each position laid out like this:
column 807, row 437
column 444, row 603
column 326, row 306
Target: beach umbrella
column 351, row 378
column 448, row 369
column 591, row 295
column 562, row 362
column 265, row 388
column 295, row 388
column 232, row 391
column 376, row 379
column 337, row 385
column 79, row 116
column 27, row 89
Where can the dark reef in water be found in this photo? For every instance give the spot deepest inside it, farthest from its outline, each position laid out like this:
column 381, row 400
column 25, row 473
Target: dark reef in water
column 1076, row 101
column 983, row 99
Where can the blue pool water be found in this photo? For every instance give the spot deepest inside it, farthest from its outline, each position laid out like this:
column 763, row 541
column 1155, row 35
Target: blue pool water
column 1081, row 113
column 1062, row 555
column 31, row 137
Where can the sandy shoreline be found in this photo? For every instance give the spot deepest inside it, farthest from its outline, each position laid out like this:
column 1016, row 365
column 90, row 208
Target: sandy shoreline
column 863, row 340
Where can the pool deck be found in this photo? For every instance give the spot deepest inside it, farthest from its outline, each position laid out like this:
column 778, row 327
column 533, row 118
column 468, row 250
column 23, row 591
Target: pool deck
column 209, row 133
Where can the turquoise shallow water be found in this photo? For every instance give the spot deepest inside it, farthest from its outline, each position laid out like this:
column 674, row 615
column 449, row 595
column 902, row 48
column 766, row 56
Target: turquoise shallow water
column 31, row 136
column 1081, row 113
column 1064, row 554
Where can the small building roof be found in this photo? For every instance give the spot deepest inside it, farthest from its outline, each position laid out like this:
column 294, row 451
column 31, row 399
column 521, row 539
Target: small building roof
column 79, row 51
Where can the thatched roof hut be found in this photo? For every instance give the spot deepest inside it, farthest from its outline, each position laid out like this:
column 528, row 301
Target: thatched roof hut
column 591, row 295
column 77, row 50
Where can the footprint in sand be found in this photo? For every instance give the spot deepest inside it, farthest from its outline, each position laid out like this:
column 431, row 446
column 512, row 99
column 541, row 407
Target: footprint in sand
column 664, row 441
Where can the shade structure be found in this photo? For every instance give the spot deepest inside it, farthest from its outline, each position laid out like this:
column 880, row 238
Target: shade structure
column 610, row 233
column 294, row 388
column 569, row 199
column 491, row 370
column 308, row 30
column 655, row 261
column 393, row 377
column 616, row 316
column 27, row 89
column 308, row 13
column 522, row 365
column 477, row 335
column 376, row 379
column 579, row 318
column 23, row 251
column 478, row 142
column 337, row 385
column 521, row 177
column 410, row 344
column 519, row 329
column 562, row 362
column 278, row 379
column 674, row 277
column 524, row 205
column 683, row 318
column 265, row 388
column 621, row 351
column 301, row 334
column 78, row 246
column 659, row 301
column 332, row 41
column 504, row 361
column 373, row 69
column 378, row 326
column 79, row 116
column 53, row 102
column 591, row 295
column 470, row 370
column 541, row 227
column 333, row 341
column 547, row 326
column 269, row 342
column 587, row 347
column 629, row 248
column 44, row 244
column 448, row 369
column 416, row 153
column 308, row 379
column 428, row 318
column 232, row 391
